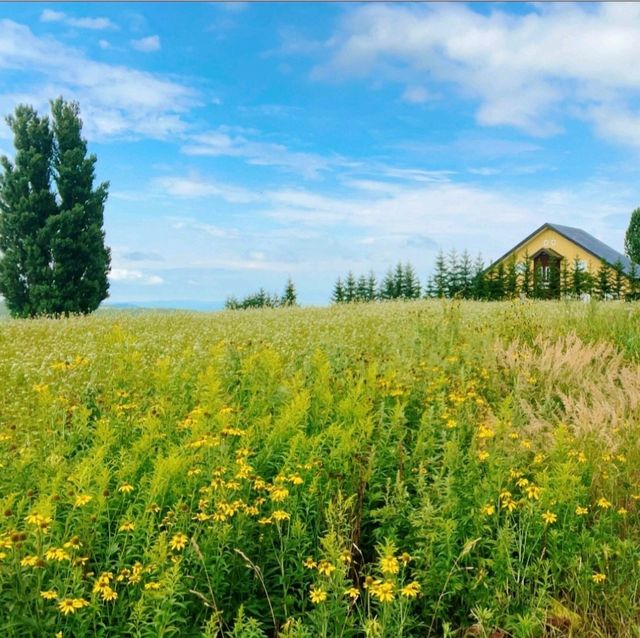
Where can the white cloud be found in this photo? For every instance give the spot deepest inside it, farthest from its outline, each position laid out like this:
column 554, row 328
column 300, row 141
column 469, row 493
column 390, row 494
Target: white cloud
column 98, row 24
column 525, row 69
column 416, row 95
column 124, row 275
column 233, row 143
column 104, row 44
column 116, row 100
column 147, row 45
column 194, row 187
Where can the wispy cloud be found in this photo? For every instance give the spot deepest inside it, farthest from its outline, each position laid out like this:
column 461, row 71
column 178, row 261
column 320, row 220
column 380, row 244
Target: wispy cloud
column 116, row 100
column 195, row 187
column 124, row 275
column 98, row 24
column 147, row 45
column 527, row 70
column 228, row 142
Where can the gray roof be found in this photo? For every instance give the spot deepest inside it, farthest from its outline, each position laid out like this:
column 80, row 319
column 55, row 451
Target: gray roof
column 593, row 245
column 582, row 239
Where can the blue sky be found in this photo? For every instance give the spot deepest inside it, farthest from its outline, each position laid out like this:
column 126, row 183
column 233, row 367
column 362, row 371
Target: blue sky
column 248, row 143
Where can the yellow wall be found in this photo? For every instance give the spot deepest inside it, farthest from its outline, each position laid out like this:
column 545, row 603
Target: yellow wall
column 549, row 238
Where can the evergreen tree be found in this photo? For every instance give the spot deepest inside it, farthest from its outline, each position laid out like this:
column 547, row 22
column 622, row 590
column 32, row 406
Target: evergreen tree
column 464, row 275
column 410, row 283
column 338, row 292
column 565, row 279
column 372, row 285
column 26, row 205
column 350, row 288
column 54, row 260
column 578, row 278
column 527, row 278
column 290, row 297
column 387, row 287
column 453, row 266
column 398, row 281
column 441, row 276
column 603, row 278
column 497, row 283
column 479, row 283
column 361, row 288
column 553, row 281
column 632, row 237
column 80, row 260
column 632, row 291
column 618, row 279
column 511, row 279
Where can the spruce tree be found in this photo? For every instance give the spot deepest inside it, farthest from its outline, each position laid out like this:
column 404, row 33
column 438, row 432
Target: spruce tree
column 361, row 288
column 338, row 292
column 464, row 275
column 578, row 280
column 372, row 285
column 387, row 287
column 511, row 282
column 454, row 273
column 618, row 279
column 632, row 237
column 565, row 279
column 479, row 283
column 527, row 283
column 441, row 276
column 398, row 281
column 603, row 278
column 410, row 283
column 26, row 205
column 350, row 287
column 290, row 297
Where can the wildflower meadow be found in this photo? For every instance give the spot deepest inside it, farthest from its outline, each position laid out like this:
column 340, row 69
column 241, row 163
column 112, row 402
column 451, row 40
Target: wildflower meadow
column 418, row 469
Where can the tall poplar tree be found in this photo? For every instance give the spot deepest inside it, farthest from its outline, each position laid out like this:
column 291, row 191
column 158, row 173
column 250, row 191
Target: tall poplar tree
column 632, row 237
column 26, row 205
column 80, row 259
column 53, row 257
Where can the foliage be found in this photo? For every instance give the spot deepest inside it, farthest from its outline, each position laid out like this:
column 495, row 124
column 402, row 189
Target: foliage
column 263, row 299
column 54, row 259
column 412, row 469
column 632, row 237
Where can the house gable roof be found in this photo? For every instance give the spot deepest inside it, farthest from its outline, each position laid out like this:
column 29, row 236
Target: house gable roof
column 581, row 238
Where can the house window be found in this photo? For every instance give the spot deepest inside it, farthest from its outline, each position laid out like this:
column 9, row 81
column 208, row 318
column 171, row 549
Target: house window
column 545, row 273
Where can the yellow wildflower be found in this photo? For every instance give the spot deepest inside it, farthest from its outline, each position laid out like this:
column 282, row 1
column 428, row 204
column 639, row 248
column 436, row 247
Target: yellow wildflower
column 389, row 565
column 309, row 563
column 126, row 488
column 326, row 568
column 598, row 578
column 352, row 592
column 582, row 511
column 549, row 517
column 82, row 500
column 179, row 541
column 317, row 595
column 50, row 594
column 384, row 592
column 411, row 590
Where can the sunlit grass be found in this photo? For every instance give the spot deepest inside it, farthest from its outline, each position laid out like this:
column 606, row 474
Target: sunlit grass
column 412, row 469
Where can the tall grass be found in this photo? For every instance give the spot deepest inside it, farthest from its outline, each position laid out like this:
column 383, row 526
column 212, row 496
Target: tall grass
column 395, row 470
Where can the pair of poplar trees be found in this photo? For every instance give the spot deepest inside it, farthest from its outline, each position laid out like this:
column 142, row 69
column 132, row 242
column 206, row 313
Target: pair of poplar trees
column 53, row 257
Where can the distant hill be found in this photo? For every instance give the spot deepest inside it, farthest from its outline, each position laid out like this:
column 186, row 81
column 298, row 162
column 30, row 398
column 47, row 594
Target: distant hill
column 172, row 304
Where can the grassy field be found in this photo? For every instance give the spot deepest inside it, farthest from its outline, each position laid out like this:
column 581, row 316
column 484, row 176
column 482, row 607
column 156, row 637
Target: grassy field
column 388, row 470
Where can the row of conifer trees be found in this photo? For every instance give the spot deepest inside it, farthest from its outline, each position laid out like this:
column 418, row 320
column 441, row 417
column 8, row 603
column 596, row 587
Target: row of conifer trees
column 459, row 276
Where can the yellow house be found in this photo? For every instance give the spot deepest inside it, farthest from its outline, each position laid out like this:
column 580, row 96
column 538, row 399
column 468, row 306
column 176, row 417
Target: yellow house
column 553, row 248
